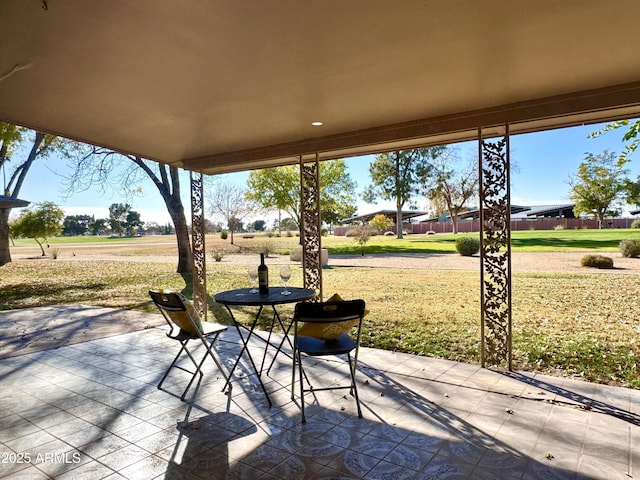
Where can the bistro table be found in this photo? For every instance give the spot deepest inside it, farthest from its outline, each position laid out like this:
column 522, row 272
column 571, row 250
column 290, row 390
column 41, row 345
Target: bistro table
column 244, row 297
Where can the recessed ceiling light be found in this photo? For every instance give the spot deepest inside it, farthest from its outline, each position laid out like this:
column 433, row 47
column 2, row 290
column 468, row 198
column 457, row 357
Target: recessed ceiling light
column 317, row 124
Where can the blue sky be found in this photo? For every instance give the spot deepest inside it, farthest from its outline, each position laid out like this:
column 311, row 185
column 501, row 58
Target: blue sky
column 544, row 161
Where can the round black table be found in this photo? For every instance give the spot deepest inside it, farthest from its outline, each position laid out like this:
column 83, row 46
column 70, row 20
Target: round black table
column 243, row 297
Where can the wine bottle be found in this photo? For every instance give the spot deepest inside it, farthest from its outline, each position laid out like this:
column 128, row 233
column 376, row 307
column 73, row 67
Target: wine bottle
column 263, row 277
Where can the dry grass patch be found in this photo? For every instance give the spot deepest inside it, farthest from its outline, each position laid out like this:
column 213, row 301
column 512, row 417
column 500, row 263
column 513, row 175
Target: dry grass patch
column 572, row 324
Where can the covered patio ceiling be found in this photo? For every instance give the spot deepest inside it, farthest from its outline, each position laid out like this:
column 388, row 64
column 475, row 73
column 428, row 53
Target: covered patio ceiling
column 219, row 86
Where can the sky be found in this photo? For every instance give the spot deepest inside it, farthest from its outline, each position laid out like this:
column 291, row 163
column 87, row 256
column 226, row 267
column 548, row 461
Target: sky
column 543, row 161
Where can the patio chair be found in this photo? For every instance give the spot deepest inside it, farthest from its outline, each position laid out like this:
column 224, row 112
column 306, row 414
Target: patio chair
column 184, row 325
column 323, row 329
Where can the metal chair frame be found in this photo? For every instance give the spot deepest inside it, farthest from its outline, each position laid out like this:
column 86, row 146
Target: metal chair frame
column 208, row 334
column 323, row 313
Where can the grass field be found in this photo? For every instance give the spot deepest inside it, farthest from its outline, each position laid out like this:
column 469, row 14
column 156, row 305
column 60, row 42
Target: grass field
column 606, row 240
column 582, row 325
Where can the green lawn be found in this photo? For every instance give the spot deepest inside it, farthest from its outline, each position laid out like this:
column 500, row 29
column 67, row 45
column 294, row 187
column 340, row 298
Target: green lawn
column 89, row 240
column 525, row 241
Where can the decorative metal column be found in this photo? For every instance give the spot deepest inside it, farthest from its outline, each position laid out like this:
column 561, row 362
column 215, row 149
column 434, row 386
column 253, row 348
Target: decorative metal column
column 495, row 250
column 311, row 224
column 198, row 245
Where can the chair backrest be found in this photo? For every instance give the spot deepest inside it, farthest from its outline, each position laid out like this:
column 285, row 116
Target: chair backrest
column 328, row 320
column 177, row 309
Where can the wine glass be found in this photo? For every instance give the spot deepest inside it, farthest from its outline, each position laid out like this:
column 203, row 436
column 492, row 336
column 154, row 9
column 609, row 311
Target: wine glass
column 253, row 276
column 285, row 275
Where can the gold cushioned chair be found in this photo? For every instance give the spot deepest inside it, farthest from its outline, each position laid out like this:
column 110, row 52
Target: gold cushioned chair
column 322, row 329
column 184, row 325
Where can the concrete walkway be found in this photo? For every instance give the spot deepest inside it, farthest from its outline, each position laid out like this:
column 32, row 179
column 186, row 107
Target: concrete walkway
column 42, row 328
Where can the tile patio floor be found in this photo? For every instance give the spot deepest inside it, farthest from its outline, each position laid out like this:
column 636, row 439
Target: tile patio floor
column 91, row 410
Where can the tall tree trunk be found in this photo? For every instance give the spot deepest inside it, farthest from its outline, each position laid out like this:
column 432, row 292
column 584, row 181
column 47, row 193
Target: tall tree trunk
column 453, row 213
column 399, row 200
column 185, row 257
column 169, row 187
column 399, row 220
column 16, row 181
column 5, row 253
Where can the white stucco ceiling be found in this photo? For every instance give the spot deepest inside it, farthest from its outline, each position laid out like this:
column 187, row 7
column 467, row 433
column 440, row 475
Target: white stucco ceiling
column 219, row 85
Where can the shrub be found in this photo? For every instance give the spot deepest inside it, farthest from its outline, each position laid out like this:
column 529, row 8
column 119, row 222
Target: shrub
column 559, row 227
column 224, row 235
column 295, row 255
column 467, row 246
column 362, row 235
column 381, row 223
column 597, row 261
column 267, row 248
column 630, row 248
column 55, row 253
column 217, row 255
column 431, row 232
column 635, row 223
column 389, row 234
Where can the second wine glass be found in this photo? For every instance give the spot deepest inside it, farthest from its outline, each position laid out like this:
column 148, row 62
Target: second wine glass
column 285, row 275
column 253, row 276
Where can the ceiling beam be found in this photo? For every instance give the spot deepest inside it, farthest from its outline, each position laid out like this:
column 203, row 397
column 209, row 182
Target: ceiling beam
column 590, row 106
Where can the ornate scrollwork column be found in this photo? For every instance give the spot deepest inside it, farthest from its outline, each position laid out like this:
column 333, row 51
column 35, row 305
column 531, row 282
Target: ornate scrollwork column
column 495, row 250
column 198, row 245
column 311, row 224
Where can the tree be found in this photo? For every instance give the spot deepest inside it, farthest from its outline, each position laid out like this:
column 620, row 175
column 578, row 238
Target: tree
column 361, row 234
column 630, row 136
column 633, row 192
column 134, row 222
column 278, row 189
column 42, row 221
column 598, row 184
column 231, row 203
column 337, row 193
column 260, row 225
column 124, row 220
column 75, row 225
column 152, row 228
column 99, row 226
column 399, row 176
column 118, row 217
column 19, row 148
column 451, row 185
column 112, row 170
column 381, row 223
column 287, row 224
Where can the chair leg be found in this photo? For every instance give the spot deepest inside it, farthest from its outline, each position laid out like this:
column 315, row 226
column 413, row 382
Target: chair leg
column 304, row 420
column 175, row 360
column 195, row 372
column 354, row 387
column 209, row 351
column 293, row 375
column 197, row 366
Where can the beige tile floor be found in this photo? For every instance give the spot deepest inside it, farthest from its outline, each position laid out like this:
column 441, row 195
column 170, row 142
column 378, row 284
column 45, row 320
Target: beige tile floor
column 92, row 410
